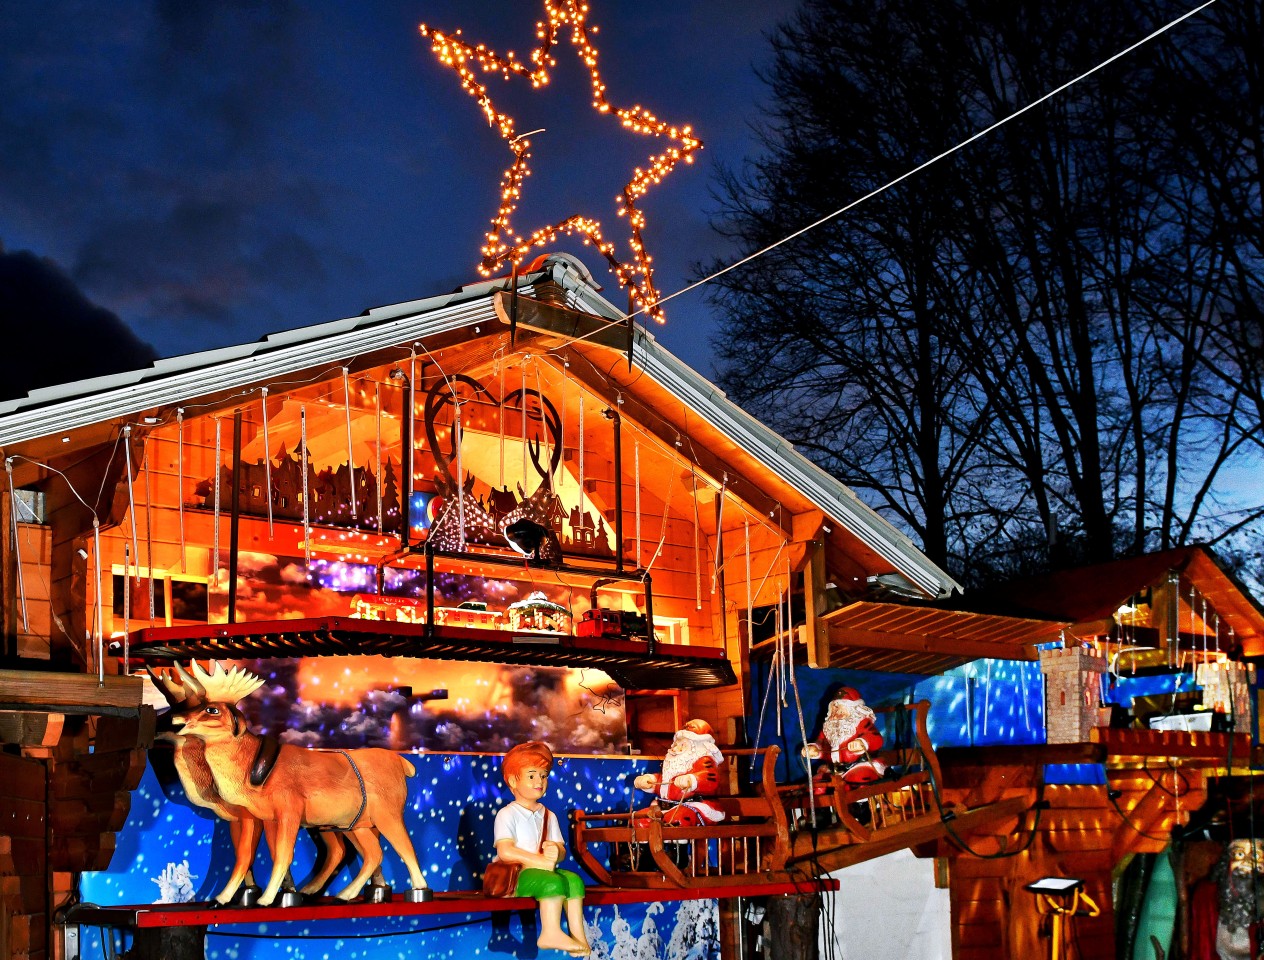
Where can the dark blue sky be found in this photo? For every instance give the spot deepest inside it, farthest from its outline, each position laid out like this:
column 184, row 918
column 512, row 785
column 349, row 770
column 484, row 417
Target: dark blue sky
column 214, row 171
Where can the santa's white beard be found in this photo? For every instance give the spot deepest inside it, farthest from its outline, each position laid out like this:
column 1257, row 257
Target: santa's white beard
column 675, row 764
column 842, row 729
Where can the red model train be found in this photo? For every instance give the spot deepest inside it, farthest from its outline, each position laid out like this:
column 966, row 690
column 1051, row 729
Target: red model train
column 600, row 622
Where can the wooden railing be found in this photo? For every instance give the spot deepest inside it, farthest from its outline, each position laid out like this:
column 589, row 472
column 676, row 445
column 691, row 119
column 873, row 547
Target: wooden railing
column 751, row 843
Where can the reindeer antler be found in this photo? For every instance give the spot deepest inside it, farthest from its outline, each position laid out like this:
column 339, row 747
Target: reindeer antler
column 225, row 686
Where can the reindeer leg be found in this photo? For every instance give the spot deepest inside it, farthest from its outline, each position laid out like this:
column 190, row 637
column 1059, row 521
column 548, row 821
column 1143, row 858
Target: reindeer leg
column 282, row 854
column 365, row 840
column 396, row 835
column 335, row 852
column 245, row 834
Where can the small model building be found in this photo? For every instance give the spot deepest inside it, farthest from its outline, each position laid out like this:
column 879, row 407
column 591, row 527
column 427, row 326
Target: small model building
column 1073, row 685
column 539, row 614
column 1227, row 689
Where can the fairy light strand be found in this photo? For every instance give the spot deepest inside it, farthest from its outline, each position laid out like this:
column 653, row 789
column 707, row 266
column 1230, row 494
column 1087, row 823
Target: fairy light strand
column 502, row 245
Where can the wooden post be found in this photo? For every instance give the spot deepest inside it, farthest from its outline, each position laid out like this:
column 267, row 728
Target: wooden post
column 791, row 923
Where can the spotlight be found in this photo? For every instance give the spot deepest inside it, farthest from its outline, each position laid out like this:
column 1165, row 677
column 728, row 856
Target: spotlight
column 525, row 536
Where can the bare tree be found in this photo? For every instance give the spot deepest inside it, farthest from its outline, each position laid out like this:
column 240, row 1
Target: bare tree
column 1016, row 345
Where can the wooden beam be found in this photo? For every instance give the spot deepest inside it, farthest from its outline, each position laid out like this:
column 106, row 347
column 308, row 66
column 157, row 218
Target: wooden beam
column 971, row 649
column 910, row 833
column 68, row 689
column 1021, row 755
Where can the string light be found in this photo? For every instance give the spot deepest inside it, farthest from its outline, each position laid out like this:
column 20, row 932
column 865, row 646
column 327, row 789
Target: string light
column 502, row 244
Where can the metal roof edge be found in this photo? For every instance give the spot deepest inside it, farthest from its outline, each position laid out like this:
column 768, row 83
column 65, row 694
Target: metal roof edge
column 243, row 366
column 775, row 452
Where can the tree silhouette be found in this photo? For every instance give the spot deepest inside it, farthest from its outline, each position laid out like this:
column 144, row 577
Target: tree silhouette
column 1033, row 349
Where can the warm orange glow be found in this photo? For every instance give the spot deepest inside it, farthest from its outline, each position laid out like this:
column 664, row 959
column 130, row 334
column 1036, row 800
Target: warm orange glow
column 502, row 245
column 344, row 681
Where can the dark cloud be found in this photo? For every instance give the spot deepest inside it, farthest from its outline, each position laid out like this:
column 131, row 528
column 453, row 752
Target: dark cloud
column 53, row 334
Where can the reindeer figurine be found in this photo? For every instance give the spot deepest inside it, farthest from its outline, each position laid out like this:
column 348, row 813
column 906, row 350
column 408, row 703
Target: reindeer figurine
column 360, row 793
column 190, row 691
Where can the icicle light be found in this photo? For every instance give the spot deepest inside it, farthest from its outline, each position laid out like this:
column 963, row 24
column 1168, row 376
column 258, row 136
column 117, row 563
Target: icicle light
column 100, row 617
column 307, row 514
column 17, row 541
column 180, row 482
column 127, row 597
column 697, row 557
column 267, row 459
column 457, row 437
column 580, row 464
column 750, row 586
column 500, row 370
column 377, row 396
column 346, row 406
column 131, row 492
column 149, row 530
column 215, row 511
column 636, row 462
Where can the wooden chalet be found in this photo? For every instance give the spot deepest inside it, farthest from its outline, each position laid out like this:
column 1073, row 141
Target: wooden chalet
column 507, row 475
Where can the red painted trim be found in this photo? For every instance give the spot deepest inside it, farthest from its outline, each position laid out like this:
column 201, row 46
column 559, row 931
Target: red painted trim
column 204, row 915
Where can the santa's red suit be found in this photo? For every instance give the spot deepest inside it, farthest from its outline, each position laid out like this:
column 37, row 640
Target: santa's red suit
column 848, row 735
column 691, row 771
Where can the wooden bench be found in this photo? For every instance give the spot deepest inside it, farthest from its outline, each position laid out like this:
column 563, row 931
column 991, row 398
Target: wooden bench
column 751, row 843
column 905, row 793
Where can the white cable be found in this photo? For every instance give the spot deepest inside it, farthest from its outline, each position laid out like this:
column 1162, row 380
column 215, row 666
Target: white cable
column 920, row 167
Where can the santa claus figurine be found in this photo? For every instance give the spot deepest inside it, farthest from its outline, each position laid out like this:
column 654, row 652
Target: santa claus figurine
column 848, row 736
column 691, row 772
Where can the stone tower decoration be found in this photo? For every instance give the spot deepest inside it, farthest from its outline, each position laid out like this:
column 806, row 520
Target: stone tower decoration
column 1073, row 685
column 1227, row 689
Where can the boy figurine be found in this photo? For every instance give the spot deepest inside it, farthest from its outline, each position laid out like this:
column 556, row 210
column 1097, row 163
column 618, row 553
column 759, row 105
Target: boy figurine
column 528, row 833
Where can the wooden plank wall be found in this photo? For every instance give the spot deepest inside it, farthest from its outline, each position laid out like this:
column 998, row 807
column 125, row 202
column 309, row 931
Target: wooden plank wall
column 1081, row 835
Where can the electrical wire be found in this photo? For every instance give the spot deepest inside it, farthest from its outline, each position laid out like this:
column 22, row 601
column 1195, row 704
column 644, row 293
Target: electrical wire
column 922, row 166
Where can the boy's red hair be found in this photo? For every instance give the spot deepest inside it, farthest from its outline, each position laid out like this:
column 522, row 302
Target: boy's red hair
column 530, row 754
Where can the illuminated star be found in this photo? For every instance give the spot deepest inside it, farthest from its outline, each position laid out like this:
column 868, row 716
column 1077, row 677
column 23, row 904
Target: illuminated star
column 502, row 244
